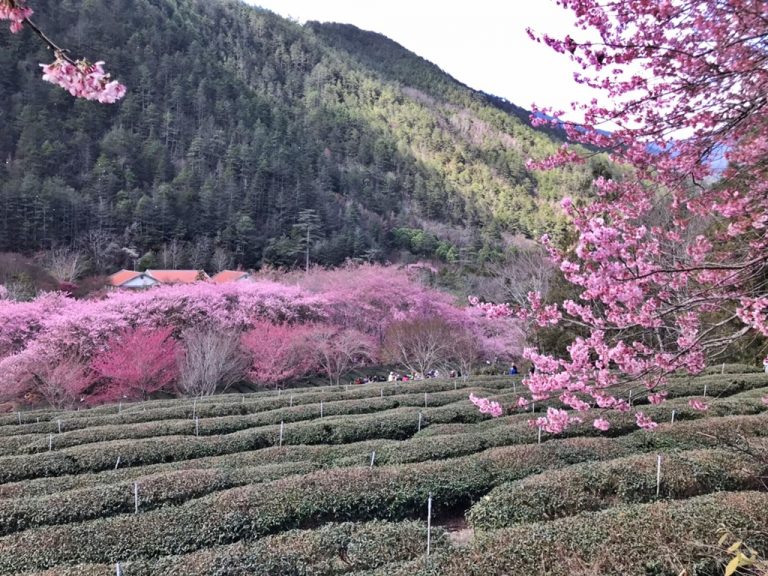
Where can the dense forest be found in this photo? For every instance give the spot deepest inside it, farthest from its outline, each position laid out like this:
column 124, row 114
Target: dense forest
column 248, row 139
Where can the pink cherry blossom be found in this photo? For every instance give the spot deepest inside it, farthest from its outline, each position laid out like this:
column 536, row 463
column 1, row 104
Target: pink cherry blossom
column 16, row 12
column 487, row 406
column 644, row 421
column 79, row 77
column 683, row 86
column 555, row 421
column 658, row 397
column 601, row 424
column 698, row 405
column 83, row 80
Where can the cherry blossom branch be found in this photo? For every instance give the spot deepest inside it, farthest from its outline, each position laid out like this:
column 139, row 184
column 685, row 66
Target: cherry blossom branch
column 671, row 256
column 79, row 77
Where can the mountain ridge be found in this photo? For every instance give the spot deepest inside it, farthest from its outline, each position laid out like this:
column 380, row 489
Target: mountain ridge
column 238, row 121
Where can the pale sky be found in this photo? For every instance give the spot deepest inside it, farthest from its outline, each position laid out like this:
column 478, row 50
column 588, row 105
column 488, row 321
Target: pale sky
column 482, row 43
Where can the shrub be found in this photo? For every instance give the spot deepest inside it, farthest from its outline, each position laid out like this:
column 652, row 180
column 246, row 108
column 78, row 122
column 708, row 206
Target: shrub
column 600, row 485
column 328, row 550
column 663, row 538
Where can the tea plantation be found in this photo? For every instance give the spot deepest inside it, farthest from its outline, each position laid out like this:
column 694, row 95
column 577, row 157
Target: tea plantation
column 331, row 481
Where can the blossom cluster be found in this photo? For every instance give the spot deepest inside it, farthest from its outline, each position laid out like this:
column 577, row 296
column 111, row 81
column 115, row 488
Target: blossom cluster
column 487, row 406
column 79, row 77
column 555, row 421
column 84, row 80
column 16, row 12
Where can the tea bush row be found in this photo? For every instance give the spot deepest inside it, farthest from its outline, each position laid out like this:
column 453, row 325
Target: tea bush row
column 154, row 491
column 268, row 410
column 395, row 424
column 599, row 485
column 227, row 424
column 341, row 494
column 659, row 539
column 330, row 550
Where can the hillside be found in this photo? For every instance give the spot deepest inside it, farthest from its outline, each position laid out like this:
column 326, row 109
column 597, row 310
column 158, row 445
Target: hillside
column 335, row 480
column 242, row 130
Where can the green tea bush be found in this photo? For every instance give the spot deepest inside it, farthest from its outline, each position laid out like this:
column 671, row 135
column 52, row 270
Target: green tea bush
column 393, row 492
column 331, row 549
column 154, row 491
column 599, row 485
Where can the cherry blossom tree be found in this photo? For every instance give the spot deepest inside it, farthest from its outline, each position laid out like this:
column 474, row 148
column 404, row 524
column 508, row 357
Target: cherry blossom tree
column 288, row 329
column 421, row 345
column 80, row 78
column 338, row 350
column 368, row 297
column 671, row 256
column 465, row 353
column 64, row 383
column 137, row 363
column 212, row 362
column 278, row 352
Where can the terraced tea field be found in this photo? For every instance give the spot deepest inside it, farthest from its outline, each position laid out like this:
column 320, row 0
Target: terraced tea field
column 330, row 481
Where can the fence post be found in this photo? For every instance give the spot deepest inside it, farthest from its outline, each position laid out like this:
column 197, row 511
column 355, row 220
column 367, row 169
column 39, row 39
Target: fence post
column 282, row 431
column 673, row 417
column 118, row 572
column 197, row 426
column 136, row 497
column 429, row 524
column 373, row 458
column 658, row 475
column 420, row 417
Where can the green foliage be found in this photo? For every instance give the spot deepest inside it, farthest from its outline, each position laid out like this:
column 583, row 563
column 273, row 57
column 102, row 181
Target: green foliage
column 329, row 550
column 599, row 485
column 659, row 539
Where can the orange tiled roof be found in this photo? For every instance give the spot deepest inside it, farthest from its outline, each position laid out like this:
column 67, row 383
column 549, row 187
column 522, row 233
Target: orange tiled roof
column 121, row 277
column 228, row 276
column 178, row 276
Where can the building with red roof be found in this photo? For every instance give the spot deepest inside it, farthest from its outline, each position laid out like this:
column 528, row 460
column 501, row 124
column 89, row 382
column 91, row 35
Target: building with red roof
column 230, row 276
column 133, row 279
column 179, row 276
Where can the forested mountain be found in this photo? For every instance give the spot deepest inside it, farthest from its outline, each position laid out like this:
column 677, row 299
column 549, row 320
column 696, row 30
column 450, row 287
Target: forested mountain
column 244, row 137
